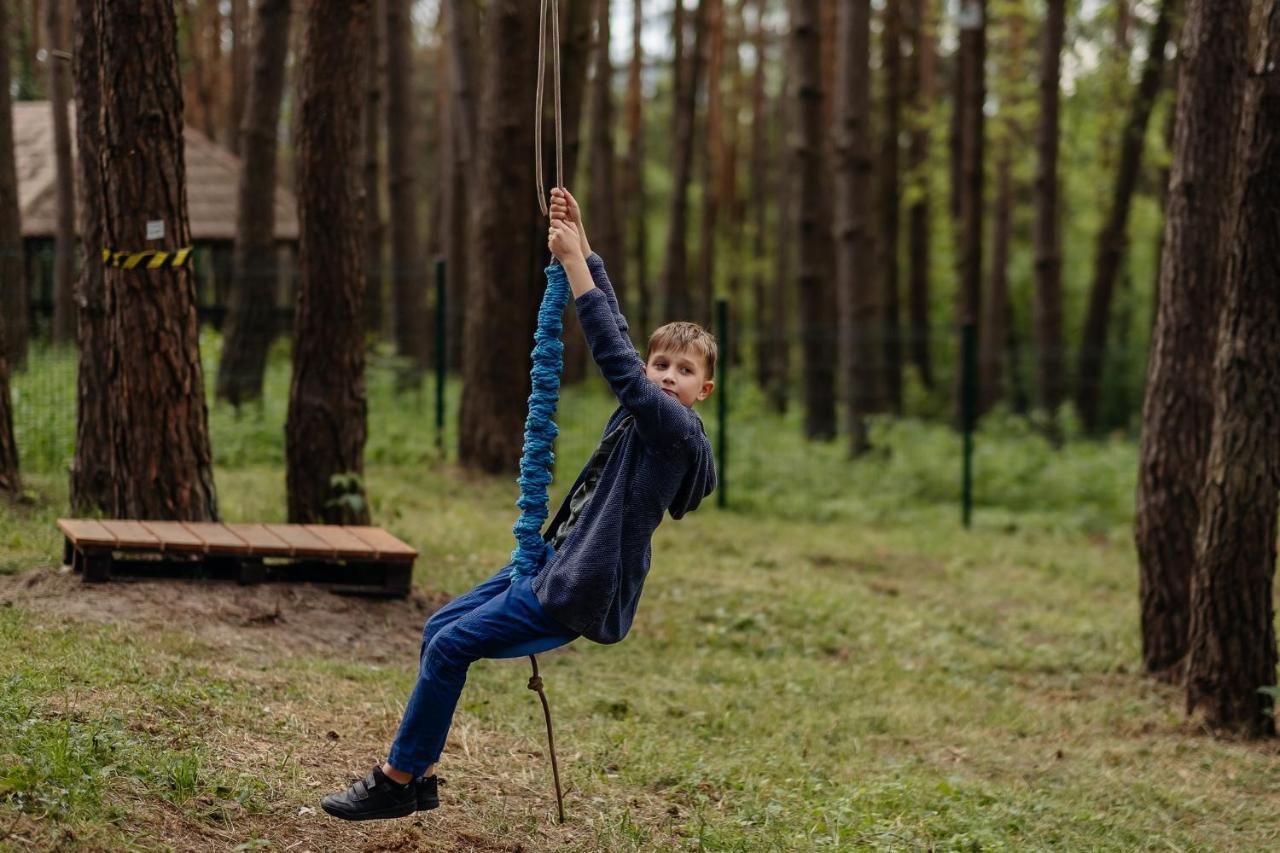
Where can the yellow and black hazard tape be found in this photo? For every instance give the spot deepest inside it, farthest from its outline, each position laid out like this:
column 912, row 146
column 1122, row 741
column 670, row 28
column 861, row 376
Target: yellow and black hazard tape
column 152, row 259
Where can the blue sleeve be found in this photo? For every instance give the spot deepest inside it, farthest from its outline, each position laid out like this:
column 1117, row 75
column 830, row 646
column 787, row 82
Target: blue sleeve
column 661, row 421
column 595, row 264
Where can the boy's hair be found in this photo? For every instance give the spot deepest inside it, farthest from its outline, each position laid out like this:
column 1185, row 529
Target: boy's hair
column 681, row 336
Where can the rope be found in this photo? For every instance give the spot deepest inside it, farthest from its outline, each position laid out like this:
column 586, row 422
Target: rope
column 554, row 7
column 535, row 683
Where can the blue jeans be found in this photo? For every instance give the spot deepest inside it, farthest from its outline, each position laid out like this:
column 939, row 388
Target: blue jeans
column 495, row 616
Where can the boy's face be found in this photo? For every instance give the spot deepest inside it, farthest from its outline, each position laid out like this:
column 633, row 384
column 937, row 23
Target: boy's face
column 682, row 375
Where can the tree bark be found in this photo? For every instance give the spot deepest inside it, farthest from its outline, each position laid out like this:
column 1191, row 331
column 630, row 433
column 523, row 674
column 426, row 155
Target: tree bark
column 250, row 322
column 1178, row 409
column 605, row 234
column 239, row 73
column 712, row 161
column 13, row 283
column 634, row 179
column 92, row 480
column 1112, row 239
column 920, row 86
column 162, row 468
column 814, row 243
column 973, row 52
column 861, row 351
column 780, row 329
column 374, row 116
column 460, row 42
column 676, row 299
column 64, row 316
column 507, row 243
column 408, row 273
column 1232, row 647
column 326, row 427
column 1050, row 363
column 890, row 338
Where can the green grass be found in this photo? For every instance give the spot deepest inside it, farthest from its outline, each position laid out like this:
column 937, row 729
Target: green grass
column 832, row 664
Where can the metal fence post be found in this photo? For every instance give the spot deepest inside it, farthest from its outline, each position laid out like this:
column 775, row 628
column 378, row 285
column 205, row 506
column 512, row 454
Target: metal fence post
column 722, row 407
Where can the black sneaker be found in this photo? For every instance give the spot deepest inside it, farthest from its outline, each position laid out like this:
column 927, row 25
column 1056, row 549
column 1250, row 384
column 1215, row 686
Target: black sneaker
column 374, row 797
column 428, row 792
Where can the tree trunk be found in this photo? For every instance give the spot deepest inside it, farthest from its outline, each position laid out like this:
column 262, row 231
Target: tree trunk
column 814, row 244
column 1112, row 239
column 460, row 42
column 1232, row 647
column 1178, row 409
column 712, row 161
column 239, row 73
column 408, row 273
column 780, row 330
column 634, row 178
column 507, row 243
column 676, row 299
column 10, row 481
column 64, row 316
column 92, row 481
column 161, row 461
column 860, row 349
column 325, row 432
column 973, row 52
column 1050, row 363
column 891, row 340
column 374, row 115
column 250, row 322
column 920, row 85
column 13, row 283
column 605, row 234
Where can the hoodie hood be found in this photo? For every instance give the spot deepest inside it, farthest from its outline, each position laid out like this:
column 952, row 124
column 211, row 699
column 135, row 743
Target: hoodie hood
column 699, row 478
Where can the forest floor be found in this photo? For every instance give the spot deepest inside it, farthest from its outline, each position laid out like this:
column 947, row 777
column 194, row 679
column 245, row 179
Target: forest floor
column 788, row 685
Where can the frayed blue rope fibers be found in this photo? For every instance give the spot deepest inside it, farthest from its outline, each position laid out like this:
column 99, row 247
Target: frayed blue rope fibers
column 540, row 429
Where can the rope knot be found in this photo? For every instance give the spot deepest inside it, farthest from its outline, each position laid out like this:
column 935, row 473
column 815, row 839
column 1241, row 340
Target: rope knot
column 535, row 683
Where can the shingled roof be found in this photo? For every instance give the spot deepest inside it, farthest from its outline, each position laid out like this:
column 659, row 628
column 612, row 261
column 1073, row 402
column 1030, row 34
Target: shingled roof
column 212, row 175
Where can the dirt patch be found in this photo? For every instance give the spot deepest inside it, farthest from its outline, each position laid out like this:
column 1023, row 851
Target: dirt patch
column 279, row 619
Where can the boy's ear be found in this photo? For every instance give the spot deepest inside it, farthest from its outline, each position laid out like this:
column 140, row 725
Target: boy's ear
column 707, row 388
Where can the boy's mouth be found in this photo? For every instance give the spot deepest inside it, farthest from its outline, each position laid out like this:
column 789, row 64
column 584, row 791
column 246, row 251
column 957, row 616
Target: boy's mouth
column 670, row 393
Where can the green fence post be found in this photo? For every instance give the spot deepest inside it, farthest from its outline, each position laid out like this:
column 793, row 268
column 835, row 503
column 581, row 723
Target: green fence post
column 722, row 407
column 441, row 306
column 968, row 409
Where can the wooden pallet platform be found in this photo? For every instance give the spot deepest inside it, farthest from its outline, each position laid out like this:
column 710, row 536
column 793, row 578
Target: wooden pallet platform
column 343, row 558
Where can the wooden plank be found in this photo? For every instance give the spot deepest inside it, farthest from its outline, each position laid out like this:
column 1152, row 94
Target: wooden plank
column 302, row 542
column 131, row 535
column 217, row 538
column 85, row 531
column 344, row 544
column 174, row 537
column 387, row 546
column 261, row 542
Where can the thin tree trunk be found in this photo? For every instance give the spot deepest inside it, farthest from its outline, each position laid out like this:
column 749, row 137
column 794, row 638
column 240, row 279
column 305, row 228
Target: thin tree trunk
column 1112, row 239
column 250, row 322
column 374, row 115
column 408, row 274
column 162, row 465
column 890, row 338
column 758, row 202
column 64, row 316
column 634, row 180
column 676, row 298
column 326, row 427
column 239, row 72
column 507, row 243
column 712, row 160
column 920, row 85
column 92, row 481
column 1048, row 254
column 13, row 283
column 780, row 329
column 10, row 263
column 1232, row 647
column 1178, row 409
column 860, row 349
column 973, row 52
column 605, row 234
column 460, row 42
column 814, row 245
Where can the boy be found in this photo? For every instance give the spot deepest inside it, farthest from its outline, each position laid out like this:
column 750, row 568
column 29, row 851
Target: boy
column 654, row 458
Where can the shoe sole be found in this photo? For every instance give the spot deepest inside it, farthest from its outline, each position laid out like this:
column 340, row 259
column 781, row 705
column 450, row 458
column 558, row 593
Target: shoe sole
column 382, row 814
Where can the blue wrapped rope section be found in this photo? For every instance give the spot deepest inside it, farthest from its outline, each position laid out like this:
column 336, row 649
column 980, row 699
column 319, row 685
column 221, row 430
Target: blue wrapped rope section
column 540, row 429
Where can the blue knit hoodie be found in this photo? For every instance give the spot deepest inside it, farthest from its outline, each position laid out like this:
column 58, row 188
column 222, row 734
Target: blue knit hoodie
column 662, row 462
